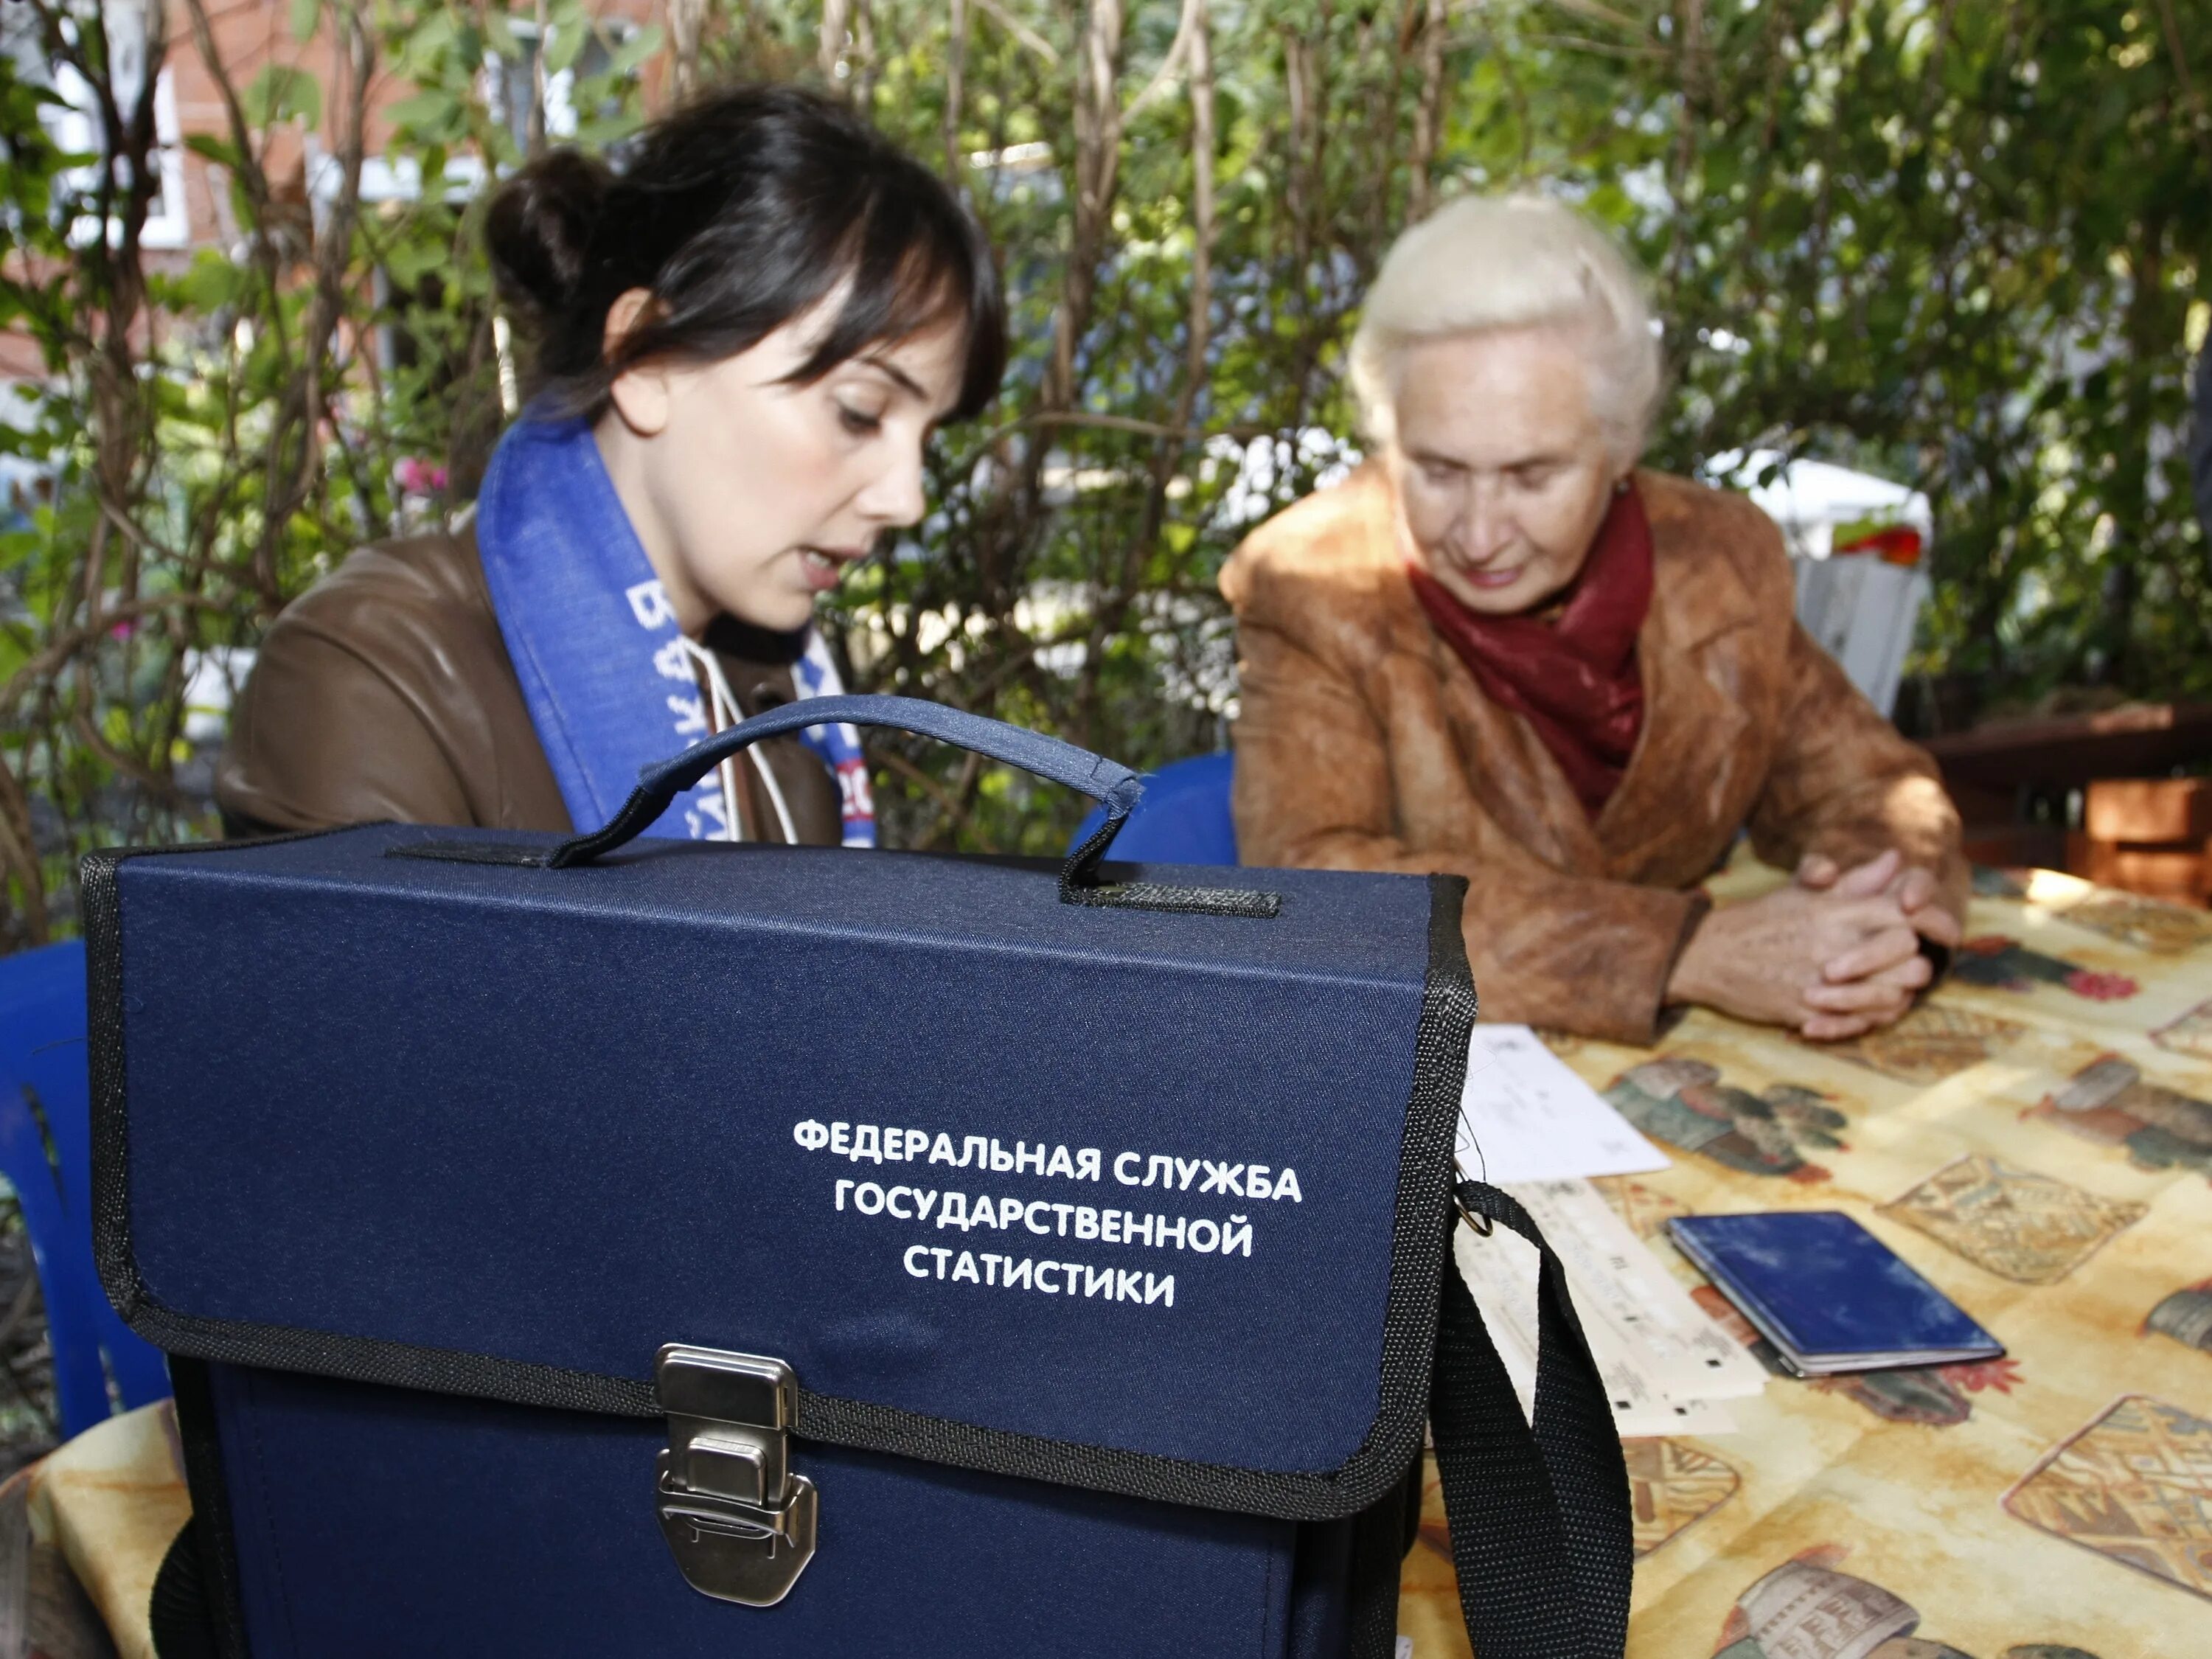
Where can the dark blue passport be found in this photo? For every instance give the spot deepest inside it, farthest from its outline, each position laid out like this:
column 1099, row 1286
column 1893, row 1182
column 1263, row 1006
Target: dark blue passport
column 1828, row 1294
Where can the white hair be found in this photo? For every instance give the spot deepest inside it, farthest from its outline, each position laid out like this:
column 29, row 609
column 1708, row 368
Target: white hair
column 1499, row 262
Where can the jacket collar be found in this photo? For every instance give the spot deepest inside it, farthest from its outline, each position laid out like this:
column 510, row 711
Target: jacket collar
column 1697, row 592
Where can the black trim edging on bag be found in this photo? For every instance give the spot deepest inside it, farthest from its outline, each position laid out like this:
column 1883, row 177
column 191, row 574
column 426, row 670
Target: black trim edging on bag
column 1391, row 1444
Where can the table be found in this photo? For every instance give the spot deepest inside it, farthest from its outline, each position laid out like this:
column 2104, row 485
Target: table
column 82, row 1533
column 2036, row 1137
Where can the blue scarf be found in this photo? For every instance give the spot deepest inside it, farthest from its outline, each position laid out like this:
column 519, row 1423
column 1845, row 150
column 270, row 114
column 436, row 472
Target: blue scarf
column 594, row 642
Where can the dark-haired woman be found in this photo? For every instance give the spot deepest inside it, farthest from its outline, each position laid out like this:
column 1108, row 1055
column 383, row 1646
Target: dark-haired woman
column 746, row 337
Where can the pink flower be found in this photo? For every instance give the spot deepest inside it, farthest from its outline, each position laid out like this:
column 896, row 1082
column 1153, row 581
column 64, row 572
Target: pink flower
column 418, row 477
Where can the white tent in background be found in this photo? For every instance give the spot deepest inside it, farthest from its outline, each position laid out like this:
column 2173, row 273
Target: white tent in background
column 1856, row 541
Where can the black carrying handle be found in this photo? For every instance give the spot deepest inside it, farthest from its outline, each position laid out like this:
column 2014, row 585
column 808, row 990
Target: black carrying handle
column 1112, row 785
column 1541, row 1527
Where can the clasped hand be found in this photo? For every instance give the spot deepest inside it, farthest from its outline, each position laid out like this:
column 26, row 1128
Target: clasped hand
column 1834, row 954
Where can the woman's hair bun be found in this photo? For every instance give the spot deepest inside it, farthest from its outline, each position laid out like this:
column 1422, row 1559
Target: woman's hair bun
column 739, row 212
column 540, row 229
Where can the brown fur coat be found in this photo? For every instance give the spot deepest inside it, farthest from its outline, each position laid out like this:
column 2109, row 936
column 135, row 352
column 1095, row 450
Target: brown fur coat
column 1365, row 744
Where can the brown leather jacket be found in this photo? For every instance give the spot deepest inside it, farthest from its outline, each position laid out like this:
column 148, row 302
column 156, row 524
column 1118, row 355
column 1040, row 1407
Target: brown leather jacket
column 386, row 692
column 1365, row 744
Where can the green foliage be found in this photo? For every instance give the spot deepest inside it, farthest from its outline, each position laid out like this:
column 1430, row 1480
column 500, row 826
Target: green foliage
column 281, row 94
column 1960, row 246
column 1964, row 246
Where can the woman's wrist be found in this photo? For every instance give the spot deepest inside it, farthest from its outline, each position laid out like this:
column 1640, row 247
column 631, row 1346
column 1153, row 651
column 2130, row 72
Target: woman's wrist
column 1689, row 977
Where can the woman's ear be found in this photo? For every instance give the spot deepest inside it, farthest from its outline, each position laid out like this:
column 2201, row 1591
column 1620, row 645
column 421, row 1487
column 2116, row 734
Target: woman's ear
column 640, row 393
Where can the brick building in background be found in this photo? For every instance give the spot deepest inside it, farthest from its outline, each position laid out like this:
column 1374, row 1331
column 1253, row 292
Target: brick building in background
column 192, row 207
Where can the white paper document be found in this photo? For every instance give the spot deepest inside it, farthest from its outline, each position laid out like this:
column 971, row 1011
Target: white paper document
column 1524, row 1117
column 1616, row 1279
column 1668, row 1367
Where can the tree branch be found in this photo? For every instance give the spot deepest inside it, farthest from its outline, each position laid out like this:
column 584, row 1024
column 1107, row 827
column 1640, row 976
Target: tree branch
column 1022, row 32
column 956, row 72
column 1170, row 66
column 2199, row 124
column 1428, row 113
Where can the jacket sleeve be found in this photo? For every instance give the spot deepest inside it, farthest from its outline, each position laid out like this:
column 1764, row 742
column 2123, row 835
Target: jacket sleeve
column 1314, row 790
column 1844, row 784
column 321, row 738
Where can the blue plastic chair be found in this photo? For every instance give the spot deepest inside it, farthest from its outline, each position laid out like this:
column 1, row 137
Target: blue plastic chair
column 1184, row 818
column 42, row 1050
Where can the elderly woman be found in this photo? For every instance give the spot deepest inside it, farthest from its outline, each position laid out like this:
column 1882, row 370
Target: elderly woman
column 1502, row 651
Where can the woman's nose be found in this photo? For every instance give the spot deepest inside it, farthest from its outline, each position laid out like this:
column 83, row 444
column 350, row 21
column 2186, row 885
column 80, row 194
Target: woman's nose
column 1489, row 526
column 894, row 497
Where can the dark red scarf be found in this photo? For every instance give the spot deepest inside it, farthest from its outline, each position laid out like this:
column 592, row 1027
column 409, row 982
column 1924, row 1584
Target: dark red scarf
column 1574, row 679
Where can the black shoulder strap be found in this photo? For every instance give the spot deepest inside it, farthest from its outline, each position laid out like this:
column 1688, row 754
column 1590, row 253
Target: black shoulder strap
column 1540, row 1527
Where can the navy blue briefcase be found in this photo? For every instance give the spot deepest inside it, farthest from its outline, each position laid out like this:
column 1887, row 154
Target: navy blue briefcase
column 611, row 1247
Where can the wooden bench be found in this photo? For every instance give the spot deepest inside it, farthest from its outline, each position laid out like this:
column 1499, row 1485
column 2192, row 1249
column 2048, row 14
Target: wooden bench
column 2139, row 831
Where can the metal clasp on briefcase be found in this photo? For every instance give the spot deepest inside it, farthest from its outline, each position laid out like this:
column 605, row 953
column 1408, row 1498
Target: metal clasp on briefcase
column 741, row 1524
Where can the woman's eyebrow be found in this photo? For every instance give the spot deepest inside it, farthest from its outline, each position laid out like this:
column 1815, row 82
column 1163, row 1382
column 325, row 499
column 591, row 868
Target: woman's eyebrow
column 905, row 380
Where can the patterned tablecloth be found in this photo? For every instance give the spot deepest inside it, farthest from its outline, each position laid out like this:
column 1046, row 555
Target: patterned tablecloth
column 82, row 1534
column 2036, row 1137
